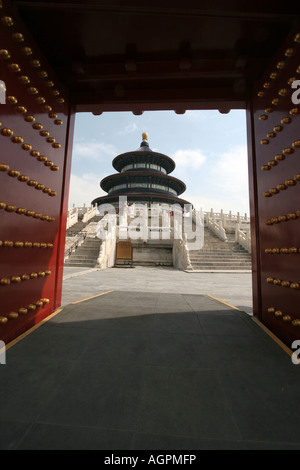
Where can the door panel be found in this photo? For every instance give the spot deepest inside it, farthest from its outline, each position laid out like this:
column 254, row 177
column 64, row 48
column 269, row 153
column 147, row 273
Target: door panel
column 36, row 128
column 274, row 144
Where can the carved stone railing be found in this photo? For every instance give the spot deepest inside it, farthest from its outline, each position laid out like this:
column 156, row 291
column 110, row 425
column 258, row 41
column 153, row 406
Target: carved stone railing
column 107, row 253
column 71, row 248
column 90, row 213
column 243, row 238
column 217, row 229
column 230, row 217
column 181, row 256
column 80, row 213
column 72, row 217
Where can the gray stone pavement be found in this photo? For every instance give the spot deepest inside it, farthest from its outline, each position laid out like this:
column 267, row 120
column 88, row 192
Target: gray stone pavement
column 157, row 363
column 234, row 288
column 148, row 371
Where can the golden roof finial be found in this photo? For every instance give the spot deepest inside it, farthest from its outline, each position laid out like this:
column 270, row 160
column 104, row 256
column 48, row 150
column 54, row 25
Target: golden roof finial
column 145, row 136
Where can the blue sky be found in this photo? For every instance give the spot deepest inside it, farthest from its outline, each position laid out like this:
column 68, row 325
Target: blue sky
column 209, row 148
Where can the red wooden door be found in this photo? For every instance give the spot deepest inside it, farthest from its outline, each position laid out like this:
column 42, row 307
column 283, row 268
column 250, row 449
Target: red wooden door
column 274, row 150
column 35, row 152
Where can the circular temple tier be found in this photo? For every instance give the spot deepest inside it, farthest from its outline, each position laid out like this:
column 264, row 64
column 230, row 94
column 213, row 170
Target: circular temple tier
column 143, row 177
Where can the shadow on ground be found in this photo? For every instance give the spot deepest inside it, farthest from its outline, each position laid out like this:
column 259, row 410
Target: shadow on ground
column 152, row 371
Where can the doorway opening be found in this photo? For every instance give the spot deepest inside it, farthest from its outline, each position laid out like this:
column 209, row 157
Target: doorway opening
column 210, row 153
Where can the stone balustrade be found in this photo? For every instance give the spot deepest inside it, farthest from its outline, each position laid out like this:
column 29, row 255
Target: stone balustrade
column 229, row 219
column 72, row 218
column 80, row 213
column 217, row 228
column 163, row 226
column 243, row 238
column 90, row 213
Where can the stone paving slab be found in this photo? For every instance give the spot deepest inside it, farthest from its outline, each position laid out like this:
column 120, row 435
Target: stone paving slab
column 233, row 287
column 147, row 370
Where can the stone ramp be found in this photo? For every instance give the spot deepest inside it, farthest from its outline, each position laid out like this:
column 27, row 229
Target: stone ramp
column 149, row 371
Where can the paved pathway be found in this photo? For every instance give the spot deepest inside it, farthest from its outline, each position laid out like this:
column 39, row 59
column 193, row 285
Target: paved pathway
column 150, row 362
column 234, row 288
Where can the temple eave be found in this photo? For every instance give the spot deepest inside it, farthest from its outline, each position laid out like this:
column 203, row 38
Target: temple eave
column 140, row 198
column 142, row 177
column 137, row 156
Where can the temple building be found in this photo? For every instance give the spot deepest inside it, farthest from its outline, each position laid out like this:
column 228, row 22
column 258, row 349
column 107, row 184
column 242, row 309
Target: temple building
column 144, row 178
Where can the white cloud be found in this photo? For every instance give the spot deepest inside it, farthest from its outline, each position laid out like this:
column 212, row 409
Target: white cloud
column 93, row 150
column 216, row 181
column 192, row 159
column 223, row 185
column 84, row 189
column 131, row 127
column 230, row 170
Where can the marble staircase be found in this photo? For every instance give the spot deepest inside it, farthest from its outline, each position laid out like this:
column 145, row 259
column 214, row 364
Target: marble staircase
column 80, row 225
column 85, row 255
column 218, row 255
